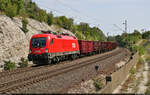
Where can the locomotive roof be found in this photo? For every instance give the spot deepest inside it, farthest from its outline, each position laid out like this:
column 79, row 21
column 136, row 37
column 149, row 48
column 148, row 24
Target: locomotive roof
column 54, row 36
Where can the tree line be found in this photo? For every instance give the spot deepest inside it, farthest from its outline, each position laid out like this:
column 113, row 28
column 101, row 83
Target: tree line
column 129, row 40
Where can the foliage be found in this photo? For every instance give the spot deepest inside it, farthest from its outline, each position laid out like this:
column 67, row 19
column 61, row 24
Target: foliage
column 133, row 48
column 111, row 38
column 42, row 16
column 91, row 33
column 127, row 40
column 11, row 10
column 23, row 63
column 9, row 65
column 146, row 35
column 82, row 31
column 98, row 84
column 64, row 22
column 79, row 35
column 147, row 90
column 132, row 71
column 50, row 18
column 130, row 40
column 24, row 25
column 141, row 50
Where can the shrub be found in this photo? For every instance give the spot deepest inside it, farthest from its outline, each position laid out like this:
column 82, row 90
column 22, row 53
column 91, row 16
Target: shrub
column 141, row 50
column 147, row 91
column 98, row 84
column 134, row 49
column 132, row 71
column 50, row 18
column 9, row 65
column 11, row 10
column 23, row 63
column 24, row 25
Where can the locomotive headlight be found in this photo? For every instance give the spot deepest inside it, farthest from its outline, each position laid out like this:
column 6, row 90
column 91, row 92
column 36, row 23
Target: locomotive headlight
column 46, row 50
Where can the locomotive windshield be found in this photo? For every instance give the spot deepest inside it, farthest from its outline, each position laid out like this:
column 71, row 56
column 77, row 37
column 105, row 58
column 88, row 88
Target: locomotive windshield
column 38, row 42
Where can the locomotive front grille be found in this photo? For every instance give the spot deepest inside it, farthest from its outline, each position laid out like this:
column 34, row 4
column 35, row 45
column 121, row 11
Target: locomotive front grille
column 37, row 57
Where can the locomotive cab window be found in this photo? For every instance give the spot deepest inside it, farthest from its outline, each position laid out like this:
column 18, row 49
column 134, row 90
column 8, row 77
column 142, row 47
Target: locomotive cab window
column 52, row 41
column 38, row 42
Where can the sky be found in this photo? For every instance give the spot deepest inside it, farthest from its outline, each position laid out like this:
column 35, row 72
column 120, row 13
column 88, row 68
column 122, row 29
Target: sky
column 105, row 14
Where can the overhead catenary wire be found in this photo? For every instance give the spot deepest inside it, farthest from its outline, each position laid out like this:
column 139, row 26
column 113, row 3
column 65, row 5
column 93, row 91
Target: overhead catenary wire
column 77, row 11
column 58, row 11
column 78, row 16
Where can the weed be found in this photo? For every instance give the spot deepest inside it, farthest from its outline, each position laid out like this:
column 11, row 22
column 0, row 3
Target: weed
column 132, row 71
column 23, row 63
column 98, row 84
column 9, row 65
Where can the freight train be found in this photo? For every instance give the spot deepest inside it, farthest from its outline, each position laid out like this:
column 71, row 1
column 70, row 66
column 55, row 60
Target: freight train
column 52, row 48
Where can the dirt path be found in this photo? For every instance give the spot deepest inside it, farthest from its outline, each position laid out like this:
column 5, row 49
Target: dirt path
column 139, row 42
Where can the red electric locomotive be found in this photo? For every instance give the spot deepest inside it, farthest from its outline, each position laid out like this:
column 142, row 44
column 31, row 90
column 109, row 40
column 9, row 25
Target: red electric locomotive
column 52, row 47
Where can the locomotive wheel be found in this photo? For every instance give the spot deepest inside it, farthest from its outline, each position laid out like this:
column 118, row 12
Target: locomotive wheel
column 73, row 57
column 56, row 60
column 49, row 61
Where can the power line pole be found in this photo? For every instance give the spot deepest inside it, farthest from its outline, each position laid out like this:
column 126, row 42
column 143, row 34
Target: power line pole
column 107, row 36
column 126, row 26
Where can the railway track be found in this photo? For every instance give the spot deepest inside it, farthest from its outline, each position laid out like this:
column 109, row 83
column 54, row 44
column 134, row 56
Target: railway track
column 105, row 69
column 27, row 81
column 23, row 70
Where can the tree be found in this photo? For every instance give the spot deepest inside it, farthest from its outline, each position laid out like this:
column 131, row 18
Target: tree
column 24, row 25
column 42, row 16
column 146, row 35
column 3, row 4
column 138, row 34
column 50, row 18
column 11, row 10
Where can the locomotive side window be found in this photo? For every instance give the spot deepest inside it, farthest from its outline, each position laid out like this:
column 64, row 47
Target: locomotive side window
column 52, row 41
column 38, row 42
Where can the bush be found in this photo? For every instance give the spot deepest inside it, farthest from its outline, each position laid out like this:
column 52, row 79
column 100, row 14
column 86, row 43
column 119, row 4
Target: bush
column 132, row 71
column 9, row 65
column 23, row 63
column 98, row 84
column 24, row 25
column 134, row 48
column 141, row 50
column 11, row 10
column 50, row 18
column 147, row 91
